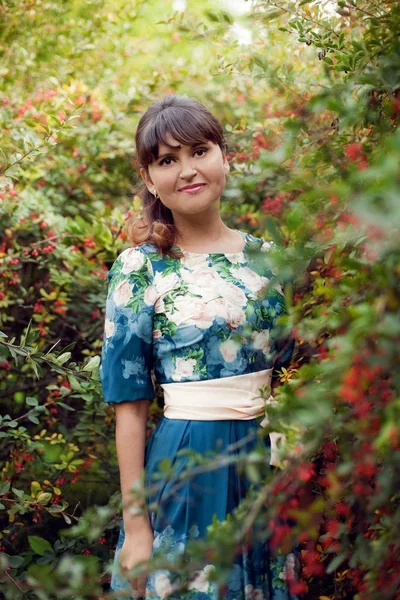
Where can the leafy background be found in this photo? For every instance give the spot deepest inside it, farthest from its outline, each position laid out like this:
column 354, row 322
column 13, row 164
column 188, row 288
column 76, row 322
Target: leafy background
column 309, row 96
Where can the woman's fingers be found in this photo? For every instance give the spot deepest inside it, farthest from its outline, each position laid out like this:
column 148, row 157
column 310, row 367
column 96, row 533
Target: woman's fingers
column 138, row 583
column 141, row 585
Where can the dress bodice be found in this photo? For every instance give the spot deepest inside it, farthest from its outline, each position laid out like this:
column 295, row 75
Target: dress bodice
column 203, row 316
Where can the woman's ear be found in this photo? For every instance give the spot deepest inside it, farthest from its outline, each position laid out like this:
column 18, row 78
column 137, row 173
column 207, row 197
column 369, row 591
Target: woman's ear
column 144, row 174
column 226, row 166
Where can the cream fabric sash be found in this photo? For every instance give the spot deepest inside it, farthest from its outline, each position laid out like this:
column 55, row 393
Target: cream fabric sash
column 227, row 398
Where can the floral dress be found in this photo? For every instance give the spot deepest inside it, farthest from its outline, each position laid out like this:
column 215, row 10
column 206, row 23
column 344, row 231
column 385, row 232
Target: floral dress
column 195, row 318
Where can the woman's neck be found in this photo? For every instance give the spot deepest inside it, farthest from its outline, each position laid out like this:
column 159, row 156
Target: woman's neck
column 211, row 236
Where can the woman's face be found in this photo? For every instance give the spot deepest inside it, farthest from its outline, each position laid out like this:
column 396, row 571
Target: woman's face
column 188, row 179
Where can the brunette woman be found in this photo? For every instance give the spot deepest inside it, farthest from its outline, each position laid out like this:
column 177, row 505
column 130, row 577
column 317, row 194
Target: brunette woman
column 189, row 305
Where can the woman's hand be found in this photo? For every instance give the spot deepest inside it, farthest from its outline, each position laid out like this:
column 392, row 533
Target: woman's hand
column 137, row 548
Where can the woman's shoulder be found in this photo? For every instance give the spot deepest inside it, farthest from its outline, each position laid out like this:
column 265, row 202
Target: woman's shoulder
column 135, row 259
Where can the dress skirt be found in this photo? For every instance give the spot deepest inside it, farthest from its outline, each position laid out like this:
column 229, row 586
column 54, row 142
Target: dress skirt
column 185, row 512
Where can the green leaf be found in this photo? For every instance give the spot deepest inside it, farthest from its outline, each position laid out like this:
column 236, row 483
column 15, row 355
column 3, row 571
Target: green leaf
column 63, row 405
column 4, row 487
column 92, row 364
column 60, row 360
column 15, row 561
column 44, row 498
column 39, row 544
column 55, row 508
column 66, row 519
column 336, row 562
column 19, row 493
column 31, row 401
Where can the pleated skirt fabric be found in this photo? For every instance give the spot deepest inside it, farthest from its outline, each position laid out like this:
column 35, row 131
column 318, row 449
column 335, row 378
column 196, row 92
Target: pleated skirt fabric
column 186, row 509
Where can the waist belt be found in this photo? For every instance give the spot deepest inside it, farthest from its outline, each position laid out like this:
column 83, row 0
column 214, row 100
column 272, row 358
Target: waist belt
column 227, row 398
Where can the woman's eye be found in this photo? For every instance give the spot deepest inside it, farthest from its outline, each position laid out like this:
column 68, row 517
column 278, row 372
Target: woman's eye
column 202, row 151
column 166, row 161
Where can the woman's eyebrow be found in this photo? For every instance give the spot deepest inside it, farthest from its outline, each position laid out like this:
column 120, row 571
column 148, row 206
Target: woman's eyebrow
column 165, row 154
column 169, row 152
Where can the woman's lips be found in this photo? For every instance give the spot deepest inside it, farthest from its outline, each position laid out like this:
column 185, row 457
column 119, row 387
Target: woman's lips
column 193, row 189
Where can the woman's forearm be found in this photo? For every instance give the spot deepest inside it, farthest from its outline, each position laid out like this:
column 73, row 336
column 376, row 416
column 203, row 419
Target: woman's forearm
column 130, row 433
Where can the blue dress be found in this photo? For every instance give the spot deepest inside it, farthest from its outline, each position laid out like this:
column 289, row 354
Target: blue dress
column 200, row 317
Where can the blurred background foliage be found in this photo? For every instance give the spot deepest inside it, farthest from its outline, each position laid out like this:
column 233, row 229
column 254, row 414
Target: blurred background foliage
column 309, row 95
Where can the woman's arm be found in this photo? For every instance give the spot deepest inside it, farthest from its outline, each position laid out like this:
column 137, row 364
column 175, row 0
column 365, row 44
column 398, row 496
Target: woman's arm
column 130, row 433
column 131, row 419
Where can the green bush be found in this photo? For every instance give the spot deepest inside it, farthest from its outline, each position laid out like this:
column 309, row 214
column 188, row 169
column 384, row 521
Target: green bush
column 311, row 110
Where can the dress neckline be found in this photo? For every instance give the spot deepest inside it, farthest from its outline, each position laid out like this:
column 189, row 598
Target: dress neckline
column 242, row 233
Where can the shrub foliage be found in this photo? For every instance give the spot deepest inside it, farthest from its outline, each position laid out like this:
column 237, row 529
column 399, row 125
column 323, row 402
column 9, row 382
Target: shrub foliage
column 311, row 107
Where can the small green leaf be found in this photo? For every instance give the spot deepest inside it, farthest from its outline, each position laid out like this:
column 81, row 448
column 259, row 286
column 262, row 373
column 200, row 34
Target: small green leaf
column 60, row 360
column 19, row 493
column 4, row 487
column 15, row 561
column 31, row 401
column 66, row 519
column 63, row 405
column 39, row 544
column 44, row 498
column 92, row 364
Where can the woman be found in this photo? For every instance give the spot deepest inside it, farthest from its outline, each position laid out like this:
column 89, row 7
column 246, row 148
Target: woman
column 187, row 303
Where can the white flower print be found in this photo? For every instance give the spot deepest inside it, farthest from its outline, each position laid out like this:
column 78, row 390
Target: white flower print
column 183, row 368
column 253, row 594
column 200, row 581
column 192, row 311
column 122, row 293
column 229, row 350
column 150, row 295
column 109, row 327
column 162, row 585
column 159, row 306
column 204, row 282
column 236, row 258
column 236, row 316
column 165, row 283
column 232, row 294
column 261, row 340
column 251, row 280
column 219, row 308
column 132, row 260
column 194, row 261
column 288, row 572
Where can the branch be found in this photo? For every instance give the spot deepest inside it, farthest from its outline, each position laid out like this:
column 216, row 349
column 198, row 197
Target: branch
column 295, row 14
column 35, row 148
column 16, row 584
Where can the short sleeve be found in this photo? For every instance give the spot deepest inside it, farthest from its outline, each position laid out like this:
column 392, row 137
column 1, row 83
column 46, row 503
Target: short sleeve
column 127, row 352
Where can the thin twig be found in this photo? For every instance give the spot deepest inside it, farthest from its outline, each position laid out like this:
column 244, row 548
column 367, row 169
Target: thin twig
column 16, row 584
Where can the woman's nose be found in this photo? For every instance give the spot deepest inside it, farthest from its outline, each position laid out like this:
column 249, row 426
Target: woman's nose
column 187, row 169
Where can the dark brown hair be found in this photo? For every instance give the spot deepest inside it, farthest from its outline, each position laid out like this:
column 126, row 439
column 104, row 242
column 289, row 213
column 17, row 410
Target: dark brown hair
column 188, row 122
